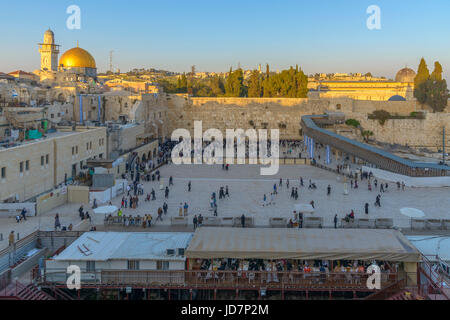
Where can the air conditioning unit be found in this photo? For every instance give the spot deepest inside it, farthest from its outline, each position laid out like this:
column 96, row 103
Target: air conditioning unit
column 180, row 252
column 170, row 252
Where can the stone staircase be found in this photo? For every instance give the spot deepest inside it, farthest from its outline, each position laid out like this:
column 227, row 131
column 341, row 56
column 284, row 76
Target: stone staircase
column 406, row 295
column 18, row 291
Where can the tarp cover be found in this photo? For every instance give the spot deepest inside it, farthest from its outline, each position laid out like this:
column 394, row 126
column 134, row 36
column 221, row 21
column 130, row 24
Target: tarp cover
column 301, row 244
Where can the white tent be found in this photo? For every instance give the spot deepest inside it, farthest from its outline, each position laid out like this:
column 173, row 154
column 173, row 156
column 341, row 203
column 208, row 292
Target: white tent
column 412, row 212
column 303, row 208
column 106, row 210
column 302, row 244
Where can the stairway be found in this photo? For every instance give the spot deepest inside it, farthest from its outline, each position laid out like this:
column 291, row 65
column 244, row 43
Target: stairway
column 406, row 295
column 19, row 291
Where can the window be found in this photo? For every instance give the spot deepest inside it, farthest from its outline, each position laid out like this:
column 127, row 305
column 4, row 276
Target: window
column 90, row 145
column 52, row 116
column 46, row 159
column 162, row 265
column 133, row 265
column 27, row 165
column 76, row 149
column 21, row 166
column 42, row 160
column 3, row 173
column 90, row 266
column 73, row 150
column 87, row 145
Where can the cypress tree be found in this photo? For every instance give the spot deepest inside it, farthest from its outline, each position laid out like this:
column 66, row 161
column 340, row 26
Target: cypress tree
column 437, row 73
column 423, row 74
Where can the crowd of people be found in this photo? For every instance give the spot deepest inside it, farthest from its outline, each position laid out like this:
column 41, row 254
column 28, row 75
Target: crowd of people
column 272, row 270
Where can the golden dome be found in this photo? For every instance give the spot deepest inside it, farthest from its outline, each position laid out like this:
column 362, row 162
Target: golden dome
column 77, row 58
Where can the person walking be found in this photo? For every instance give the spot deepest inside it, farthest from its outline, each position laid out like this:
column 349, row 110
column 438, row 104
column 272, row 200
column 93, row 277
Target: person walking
column 180, row 210
column 149, row 220
column 200, row 220
column 165, row 208
column 166, row 193
column 243, row 221
column 328, row 190
column 366, row 208
column 11, row 238
column 24, row 214
column 195, row 221
column 186, row 209
column 335, row 221
column 300, row 220
column 189, row 186
column 377, row 201
column 57, row 223
column 160, row 211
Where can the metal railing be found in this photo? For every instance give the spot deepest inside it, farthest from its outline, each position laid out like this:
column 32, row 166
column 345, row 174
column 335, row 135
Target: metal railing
column 224, row 279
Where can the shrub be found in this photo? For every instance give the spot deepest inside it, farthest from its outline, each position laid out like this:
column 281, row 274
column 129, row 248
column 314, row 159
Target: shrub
column 353, row 123
column 381, row 116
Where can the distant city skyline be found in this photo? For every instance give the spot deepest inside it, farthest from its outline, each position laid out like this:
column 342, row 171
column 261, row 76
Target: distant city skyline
column 321, row 38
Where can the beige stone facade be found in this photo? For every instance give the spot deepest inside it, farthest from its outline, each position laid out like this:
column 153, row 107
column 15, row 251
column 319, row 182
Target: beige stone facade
column 35, row 167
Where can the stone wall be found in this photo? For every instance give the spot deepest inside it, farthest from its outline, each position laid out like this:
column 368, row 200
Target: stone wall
column 285, row 114
column 411, row 132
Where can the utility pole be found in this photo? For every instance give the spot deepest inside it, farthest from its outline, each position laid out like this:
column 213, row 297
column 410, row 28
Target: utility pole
column 443, row 145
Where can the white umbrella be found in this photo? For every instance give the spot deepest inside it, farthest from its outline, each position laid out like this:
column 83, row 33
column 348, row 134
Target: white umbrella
column 106, row 210
column 304, row 208
column 412, row 213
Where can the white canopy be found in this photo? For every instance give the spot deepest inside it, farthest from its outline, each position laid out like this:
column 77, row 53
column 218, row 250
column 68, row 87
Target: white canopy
column 106, row 210
column 301, row 244
column 304, row 208
column 412, row 212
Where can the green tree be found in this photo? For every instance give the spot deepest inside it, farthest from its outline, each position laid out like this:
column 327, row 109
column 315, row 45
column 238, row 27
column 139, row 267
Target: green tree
column 423, row 74
column 254, row 87
column 437, row 73
column 217, row 86
column 437, row 94
column 182, row 84
column 234, row 86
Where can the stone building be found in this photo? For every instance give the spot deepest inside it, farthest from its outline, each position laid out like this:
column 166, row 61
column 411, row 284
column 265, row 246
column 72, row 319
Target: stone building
column 36, row 166
column 364, row 88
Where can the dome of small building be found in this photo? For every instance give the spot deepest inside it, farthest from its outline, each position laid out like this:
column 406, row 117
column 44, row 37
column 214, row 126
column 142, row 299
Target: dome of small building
column 397, row 98
column 77, row 58
column 405, row 75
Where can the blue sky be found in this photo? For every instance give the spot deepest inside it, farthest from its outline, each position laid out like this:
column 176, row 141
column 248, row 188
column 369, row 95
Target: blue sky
column 320, row 36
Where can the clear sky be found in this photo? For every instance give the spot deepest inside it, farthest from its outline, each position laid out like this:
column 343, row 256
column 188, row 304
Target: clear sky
column 321, row 36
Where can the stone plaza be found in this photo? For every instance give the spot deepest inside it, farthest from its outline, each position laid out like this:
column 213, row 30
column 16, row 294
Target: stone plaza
column 247, row 188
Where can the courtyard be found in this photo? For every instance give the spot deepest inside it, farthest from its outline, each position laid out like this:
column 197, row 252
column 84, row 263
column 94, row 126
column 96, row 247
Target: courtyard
column 247, row 188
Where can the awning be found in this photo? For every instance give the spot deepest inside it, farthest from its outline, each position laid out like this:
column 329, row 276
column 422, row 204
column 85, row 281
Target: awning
column 301, row 244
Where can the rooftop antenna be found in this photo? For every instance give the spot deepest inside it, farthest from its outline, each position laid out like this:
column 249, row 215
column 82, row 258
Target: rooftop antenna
column 111, row 61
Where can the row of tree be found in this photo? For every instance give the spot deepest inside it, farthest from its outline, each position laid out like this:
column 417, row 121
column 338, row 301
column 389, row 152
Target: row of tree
column 431, row 89
column 290, row 83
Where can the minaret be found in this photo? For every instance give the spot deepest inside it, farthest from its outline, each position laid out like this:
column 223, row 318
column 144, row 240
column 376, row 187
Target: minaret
column 49, row 52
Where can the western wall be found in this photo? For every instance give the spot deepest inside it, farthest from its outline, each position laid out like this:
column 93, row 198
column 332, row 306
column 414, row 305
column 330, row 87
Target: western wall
column 285, row 114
